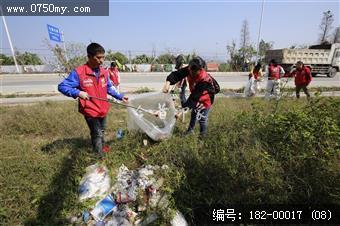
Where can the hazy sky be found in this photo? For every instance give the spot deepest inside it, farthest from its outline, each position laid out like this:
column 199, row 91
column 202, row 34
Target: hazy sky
column 181, row 26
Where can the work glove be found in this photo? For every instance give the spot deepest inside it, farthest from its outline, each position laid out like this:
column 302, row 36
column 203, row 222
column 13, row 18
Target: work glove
column 166, row 87
column 83, row 95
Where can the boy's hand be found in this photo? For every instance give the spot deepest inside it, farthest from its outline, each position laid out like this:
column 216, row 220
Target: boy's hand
column 125, row 99
column 84, row 95
column 166, row 87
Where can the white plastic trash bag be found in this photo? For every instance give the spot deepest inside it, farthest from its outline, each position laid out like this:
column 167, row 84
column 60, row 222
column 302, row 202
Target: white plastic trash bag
column 178, row 220
column 95, row 183
column 250, row 88
column 157, row 128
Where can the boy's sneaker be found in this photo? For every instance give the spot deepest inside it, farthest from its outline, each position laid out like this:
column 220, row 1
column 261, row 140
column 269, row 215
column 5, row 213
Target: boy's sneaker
column 105, row 149
column 189, row 132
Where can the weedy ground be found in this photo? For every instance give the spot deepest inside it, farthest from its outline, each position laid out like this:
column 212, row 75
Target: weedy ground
column 256, row 152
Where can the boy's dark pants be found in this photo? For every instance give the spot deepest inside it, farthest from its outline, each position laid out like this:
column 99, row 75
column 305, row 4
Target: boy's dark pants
column 97, row 128
column 305, row 90
column 182, row 94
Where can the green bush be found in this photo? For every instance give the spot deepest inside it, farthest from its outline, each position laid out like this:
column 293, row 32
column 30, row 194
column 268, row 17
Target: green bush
column 224, row 67
column 167, row 67
column 306, row 143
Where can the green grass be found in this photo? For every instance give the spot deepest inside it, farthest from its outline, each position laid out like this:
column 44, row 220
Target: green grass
column 14, row 95
column 143, row 90
column 290, row 89
column 256, row 152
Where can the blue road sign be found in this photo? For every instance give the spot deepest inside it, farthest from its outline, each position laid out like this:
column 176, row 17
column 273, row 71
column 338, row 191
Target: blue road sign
column 54, row 33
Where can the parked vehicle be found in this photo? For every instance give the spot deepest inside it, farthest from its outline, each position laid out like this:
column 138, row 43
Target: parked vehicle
column 321, row 59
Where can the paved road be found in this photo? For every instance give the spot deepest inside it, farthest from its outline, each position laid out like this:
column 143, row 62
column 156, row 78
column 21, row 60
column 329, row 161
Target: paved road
column 47, row 83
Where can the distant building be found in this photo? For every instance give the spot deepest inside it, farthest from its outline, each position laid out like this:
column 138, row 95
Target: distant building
column 213, row 67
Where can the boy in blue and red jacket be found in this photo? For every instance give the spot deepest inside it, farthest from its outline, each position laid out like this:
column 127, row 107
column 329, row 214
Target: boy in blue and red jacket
column 91, row 80
column 202, row 88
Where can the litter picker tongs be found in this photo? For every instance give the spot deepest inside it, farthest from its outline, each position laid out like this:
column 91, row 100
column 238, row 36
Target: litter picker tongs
column 154, row 113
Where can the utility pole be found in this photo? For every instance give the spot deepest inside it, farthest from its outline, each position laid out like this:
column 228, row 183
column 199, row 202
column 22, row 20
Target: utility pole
column 63, row 41
column 259, row 35
column 10, row 41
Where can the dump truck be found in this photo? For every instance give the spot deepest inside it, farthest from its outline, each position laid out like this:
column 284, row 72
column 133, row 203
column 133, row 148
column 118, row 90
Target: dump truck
column 321, row 59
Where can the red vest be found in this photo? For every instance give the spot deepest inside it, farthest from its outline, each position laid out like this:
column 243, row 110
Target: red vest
column 202, row 77
column 98, row 88
column 114, row 76
column 256, row 74
column 303, row 77
column 274, row 72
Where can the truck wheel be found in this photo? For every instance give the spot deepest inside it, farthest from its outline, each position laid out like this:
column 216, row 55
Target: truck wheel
column 332, row 72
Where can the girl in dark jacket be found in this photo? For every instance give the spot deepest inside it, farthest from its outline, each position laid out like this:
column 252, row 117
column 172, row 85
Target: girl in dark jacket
column 202, row 91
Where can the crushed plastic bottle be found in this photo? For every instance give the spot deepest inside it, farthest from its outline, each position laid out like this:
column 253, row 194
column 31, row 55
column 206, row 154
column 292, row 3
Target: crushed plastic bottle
column 120, row 134
column 86, row 216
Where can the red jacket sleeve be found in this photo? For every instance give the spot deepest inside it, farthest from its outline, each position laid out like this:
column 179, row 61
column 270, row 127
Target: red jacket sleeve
column 308, row 75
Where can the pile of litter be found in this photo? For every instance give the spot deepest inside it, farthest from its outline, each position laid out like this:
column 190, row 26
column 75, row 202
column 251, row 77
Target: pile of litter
column 156, row 116
column 129, row 201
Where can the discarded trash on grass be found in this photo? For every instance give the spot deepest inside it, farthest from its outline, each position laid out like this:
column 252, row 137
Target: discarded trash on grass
column 95, row 183
column 160, row 105
column 104, row 208
column 145, row 142
column 133, row 193
column 120, row 134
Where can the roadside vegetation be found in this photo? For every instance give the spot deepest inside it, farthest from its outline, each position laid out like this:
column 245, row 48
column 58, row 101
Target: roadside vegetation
column 256, row 152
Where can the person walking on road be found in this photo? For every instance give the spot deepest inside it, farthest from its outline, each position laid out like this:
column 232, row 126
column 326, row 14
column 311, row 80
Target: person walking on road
column 303, row 78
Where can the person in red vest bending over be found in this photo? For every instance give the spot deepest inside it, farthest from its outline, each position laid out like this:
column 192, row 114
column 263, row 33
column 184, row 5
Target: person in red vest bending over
column 274, row 72
column 256, row 74
column 114, row 74
column 88, row 82
column 303, row 77
column 202, row 92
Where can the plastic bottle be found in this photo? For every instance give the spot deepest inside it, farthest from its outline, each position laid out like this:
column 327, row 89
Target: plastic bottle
column 120, row 134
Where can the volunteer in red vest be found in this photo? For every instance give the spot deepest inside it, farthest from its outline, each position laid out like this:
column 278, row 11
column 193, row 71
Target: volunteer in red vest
column 274, row 72
column 256, row 74
column 302, row 77
column 114, row 74
column 202, row 92
column 87, row 81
